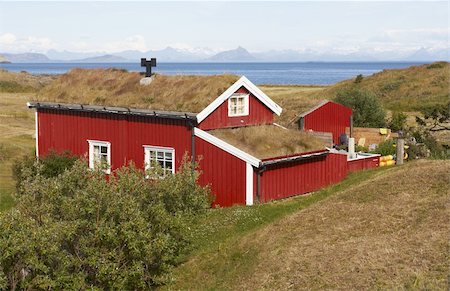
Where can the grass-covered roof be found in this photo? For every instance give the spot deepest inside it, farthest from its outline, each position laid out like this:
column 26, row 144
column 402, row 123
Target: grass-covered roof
column 269, row 141
column 114, row 87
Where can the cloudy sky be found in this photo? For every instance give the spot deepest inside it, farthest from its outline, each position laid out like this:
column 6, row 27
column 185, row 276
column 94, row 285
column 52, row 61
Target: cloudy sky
column 257, row 26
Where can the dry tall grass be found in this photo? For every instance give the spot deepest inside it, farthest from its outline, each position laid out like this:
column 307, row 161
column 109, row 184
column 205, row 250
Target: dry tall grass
column 121, row 88
column 269, row 141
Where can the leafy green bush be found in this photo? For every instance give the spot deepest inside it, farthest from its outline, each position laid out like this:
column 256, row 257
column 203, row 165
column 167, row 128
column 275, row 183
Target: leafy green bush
column 398, row 121
column 385, row 148
column 359, row 79
column 79, row 230
column 51, row 165
column 437, row 65
column 367, row 110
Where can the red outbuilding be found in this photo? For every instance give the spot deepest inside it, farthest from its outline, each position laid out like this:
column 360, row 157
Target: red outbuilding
column 327, row 116
column 238, row 172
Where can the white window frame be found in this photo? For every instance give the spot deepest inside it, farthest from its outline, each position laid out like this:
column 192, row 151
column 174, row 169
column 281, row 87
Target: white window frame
column 148, row 148
column 92, row 144
column 246, row 102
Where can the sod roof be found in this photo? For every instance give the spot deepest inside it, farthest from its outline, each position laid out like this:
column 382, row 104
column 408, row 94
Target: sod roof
column 269, row 141
column 114, row 87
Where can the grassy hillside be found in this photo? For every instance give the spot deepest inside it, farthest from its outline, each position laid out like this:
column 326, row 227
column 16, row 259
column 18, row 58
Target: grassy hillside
column 11, row 82
column 379, row 229
column 407, row 89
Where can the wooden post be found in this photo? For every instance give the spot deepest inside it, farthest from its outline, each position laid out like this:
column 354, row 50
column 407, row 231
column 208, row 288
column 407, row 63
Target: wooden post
column 400, row 150
column 351, row 126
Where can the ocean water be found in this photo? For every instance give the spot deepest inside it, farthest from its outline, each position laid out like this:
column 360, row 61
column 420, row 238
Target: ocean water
column 314, row 73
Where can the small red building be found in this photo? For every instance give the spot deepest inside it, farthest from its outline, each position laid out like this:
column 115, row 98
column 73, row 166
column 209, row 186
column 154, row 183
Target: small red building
column 114, row 136
column 327, row 116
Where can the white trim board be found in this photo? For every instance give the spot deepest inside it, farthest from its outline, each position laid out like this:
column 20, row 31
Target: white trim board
column 248, row 184
column 227, row 147
column 36, row 124
column 243, row 81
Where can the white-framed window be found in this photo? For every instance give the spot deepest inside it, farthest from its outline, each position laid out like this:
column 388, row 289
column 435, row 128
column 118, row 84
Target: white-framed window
column 162, row 156
column 238, row 105
column 100, row 155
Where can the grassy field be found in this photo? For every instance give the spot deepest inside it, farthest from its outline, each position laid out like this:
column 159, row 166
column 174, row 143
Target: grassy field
column 408, row 89
column 379, row 229
column 16, row 139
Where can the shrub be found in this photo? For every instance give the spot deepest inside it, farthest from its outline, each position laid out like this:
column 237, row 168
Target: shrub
column 367, row 110
column 49, row 166
column 79, row 230
column 398, row 121
column 385, row 148
column 359, row 79
column 436, row 65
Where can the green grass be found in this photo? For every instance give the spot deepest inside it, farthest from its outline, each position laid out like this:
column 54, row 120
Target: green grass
column 221, row 229
column 371, row 222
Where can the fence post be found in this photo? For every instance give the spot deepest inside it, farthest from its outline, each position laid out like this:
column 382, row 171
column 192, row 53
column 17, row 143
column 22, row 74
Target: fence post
column 400, row 150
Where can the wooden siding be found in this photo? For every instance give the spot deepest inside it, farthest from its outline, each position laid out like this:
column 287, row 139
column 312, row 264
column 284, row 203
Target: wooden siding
column 363, row 164
column 64, row 130
column 330, row 117
column 258, row 114
column 223, row 172
column 285, row 180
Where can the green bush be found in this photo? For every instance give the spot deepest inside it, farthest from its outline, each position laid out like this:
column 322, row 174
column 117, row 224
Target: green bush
column 367, row 110
column 386, row 148
column 78, row 230
column 49, row 166
column 437, row 65
column 398, row 121
column 359, row 79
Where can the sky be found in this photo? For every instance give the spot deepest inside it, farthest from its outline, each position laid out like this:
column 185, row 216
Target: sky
column 256, row 26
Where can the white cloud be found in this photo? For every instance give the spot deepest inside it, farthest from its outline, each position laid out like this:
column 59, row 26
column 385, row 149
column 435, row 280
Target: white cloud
column 7, row 39
column 134, row 42
column 412, row 38
column 11, row 43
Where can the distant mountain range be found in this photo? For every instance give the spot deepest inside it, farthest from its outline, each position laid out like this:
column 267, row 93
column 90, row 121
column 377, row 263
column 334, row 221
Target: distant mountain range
column 239, row 54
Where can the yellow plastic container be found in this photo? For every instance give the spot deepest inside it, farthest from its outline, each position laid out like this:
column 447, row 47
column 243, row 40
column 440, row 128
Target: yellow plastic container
column 386, row 158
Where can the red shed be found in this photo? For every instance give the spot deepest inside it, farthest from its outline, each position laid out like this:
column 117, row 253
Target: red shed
column 114, row 136
column 327, row 116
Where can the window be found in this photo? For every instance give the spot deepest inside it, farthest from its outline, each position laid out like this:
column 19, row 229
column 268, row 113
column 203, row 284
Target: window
column 100, row 155
column 164, row 157
column 238, row 105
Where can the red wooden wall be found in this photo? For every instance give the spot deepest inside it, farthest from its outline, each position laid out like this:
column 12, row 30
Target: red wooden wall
column 285, row 180
column 223, row 172
column 64, row 130
column 363, row 164
column 258, row 114
column 331, row 117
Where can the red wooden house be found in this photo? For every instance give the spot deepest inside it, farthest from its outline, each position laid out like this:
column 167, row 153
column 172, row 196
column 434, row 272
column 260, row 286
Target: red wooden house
column 117, row 135
column 329, row 117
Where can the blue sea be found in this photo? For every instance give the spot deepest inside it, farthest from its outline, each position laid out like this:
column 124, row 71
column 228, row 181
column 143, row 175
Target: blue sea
column 313, row 73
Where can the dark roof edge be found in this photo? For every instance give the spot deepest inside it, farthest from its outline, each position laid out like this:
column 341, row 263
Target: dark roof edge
column 114, row 110
column 294, row 158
